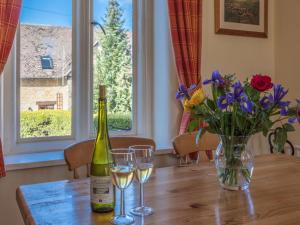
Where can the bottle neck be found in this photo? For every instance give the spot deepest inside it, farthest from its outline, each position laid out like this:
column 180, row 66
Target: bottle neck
column 102, row 117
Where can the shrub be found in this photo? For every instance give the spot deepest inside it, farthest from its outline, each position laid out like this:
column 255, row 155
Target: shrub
column 116, row 121
column 45, row 123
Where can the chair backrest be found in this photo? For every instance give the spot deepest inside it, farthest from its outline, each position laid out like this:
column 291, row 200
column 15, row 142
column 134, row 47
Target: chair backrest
column 125, row 142
column 80, row 154
column 185, row 144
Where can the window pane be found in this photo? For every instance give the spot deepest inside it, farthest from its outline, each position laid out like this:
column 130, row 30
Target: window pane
column 112, row 64
column 45, row 68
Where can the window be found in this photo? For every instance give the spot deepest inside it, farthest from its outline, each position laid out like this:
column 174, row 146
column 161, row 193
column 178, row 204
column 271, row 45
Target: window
column 58, row 61
column 45, row 105
column 113, row 61
column 47, row 63
column 45, row 40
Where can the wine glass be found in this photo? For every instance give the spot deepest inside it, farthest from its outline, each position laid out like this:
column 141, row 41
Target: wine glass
column 144, row 156
column 122, row 170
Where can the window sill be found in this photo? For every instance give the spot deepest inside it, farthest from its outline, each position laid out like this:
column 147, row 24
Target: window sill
column 34, row 160
column 45, row 159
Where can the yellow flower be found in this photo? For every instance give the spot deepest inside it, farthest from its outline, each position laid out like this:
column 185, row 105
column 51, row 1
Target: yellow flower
column 196, row 99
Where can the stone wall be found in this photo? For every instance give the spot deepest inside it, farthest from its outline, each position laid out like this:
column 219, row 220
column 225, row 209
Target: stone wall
column 30, row 95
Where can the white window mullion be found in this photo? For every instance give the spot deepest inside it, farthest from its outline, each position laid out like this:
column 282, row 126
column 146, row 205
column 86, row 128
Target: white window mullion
column 145, row 67
column 8, row 107
column 82, row 79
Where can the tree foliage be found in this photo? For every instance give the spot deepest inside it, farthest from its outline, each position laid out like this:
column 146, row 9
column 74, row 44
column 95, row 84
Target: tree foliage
column 113, row 61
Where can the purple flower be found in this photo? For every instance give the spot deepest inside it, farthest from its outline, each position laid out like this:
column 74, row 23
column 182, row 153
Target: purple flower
column 238, row 95
column 184, row 92
column 297, row 117
column 237, row 89
column 224, row 101
column 216, row 79
column 243, row 101
column 279, row 93
column 230, row 98
column 284, row 108
column 266, row 102
column 245, row 104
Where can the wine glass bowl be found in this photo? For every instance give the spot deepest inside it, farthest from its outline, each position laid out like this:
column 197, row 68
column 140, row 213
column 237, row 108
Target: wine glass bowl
column 122, row 171
column 144, row 156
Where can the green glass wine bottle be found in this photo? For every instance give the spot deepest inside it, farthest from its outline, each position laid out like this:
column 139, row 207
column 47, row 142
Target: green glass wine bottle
column 102, row 190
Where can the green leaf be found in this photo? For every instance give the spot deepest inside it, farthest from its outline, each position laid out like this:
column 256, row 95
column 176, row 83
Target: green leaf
column 241, row 121
column 288, row 127
column 211, row 104
column 280, row 139
column 193, row 125
column 266, row 126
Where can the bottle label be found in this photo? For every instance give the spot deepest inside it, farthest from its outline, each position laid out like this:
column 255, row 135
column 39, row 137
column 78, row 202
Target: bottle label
column 101, row 190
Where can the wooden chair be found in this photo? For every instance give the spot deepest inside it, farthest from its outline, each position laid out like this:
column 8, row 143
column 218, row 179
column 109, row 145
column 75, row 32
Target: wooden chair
column 80, row 154
column 125, row 142
column 185, row 144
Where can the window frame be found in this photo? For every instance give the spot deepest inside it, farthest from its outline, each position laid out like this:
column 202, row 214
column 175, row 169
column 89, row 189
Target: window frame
column 82, row 85
column 17, row 57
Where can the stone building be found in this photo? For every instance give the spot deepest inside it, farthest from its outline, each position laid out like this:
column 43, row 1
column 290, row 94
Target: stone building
column 45, row 67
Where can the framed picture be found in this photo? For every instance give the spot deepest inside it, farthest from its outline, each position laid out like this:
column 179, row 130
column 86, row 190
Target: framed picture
column 242, row 17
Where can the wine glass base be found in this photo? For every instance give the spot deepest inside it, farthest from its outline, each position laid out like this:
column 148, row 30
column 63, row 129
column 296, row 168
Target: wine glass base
column 142, row 211
column 122, row 220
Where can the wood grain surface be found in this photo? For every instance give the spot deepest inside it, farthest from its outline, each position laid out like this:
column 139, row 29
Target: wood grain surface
column 179, row 196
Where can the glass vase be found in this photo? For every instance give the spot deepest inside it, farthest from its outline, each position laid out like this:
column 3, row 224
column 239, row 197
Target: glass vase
column 234, row 163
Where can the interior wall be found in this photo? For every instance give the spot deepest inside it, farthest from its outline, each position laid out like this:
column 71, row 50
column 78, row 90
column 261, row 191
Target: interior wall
column 244, row 56
column 287, row 50
column 167, row 111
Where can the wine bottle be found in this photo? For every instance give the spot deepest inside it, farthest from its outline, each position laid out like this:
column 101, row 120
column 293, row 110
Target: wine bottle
column 102, row 189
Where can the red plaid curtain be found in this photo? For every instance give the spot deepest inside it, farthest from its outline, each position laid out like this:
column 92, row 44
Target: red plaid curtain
column 9, row 18
column 186, row 31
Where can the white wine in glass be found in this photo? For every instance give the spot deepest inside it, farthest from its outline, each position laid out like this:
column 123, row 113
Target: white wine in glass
column 122, row 176
column 143, row 172
column 144, row 156
column 122, row 171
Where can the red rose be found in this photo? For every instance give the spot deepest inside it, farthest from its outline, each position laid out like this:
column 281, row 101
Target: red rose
column 261, row 82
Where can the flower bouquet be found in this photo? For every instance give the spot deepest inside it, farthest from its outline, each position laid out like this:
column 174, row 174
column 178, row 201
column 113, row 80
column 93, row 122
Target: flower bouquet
column 236, row 111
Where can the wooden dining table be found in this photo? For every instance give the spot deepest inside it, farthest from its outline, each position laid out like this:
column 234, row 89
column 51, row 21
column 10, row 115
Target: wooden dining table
column 179, row 196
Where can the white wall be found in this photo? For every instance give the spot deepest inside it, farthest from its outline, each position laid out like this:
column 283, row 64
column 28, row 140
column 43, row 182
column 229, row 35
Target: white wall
column 287, row 50
column 166, row 111
column 234, row 54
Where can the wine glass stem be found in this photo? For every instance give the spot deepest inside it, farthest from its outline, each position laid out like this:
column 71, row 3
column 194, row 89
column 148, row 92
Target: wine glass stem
column 141, row 195
column 122, row 203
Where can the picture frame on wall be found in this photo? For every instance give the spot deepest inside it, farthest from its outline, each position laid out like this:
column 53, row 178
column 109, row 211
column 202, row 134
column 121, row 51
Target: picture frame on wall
column 242, row 17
